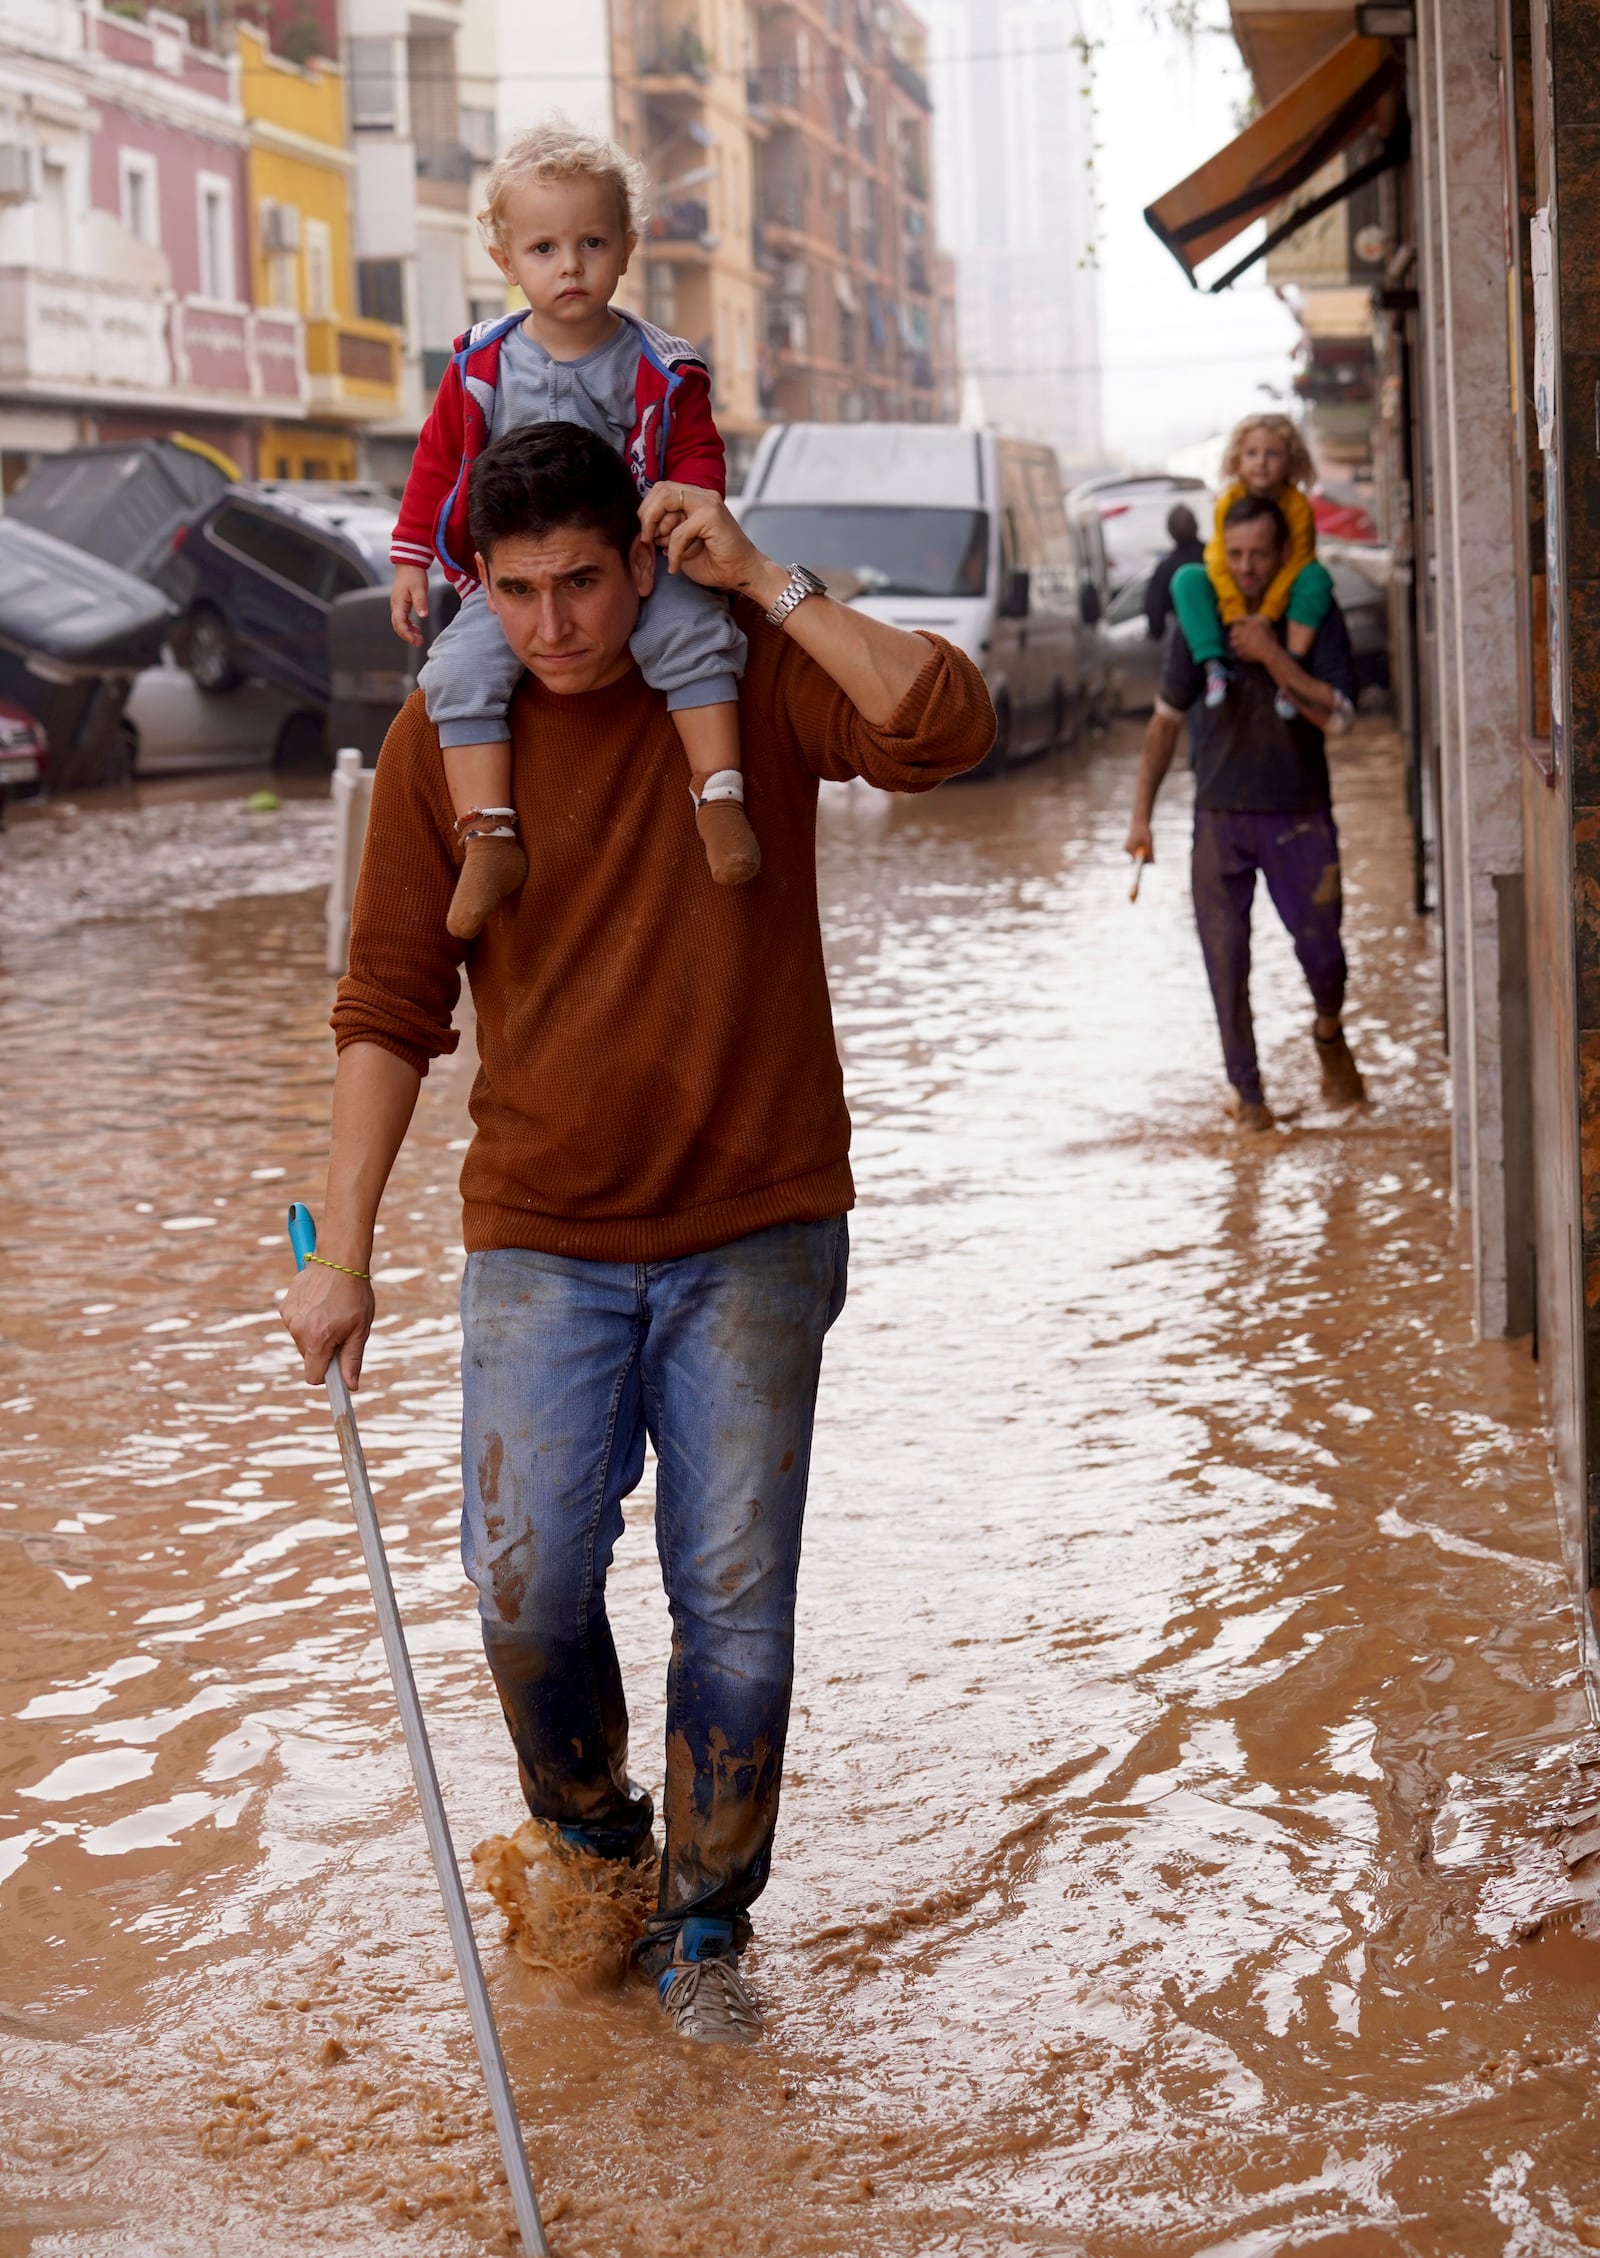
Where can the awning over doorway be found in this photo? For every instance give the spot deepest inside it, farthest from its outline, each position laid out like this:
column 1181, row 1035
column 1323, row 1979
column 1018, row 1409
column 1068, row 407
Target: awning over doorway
column 1356, row 90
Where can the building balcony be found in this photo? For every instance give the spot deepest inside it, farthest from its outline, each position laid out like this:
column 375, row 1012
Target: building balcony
column 783, row 209
column 81, row 337
column 354, row 368
column 449, row 161
column 779, row 96
column 248, row 353
column 910, row 81
column 672, row 59
column 56, row 25
column 64, row 333
column 681, row 227
column 444, row 170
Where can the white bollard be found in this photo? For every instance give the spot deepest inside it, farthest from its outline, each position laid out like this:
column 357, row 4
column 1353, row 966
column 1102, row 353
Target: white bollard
column 352, row 797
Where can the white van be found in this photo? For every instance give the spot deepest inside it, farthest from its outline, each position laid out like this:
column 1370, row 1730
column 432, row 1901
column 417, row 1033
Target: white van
column 963, row 532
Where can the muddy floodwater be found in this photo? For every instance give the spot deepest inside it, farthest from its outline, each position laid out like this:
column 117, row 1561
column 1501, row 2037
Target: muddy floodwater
column 1187, row 1703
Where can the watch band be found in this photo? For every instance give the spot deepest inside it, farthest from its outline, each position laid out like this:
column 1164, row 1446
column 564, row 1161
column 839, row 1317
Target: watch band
column 801, row 583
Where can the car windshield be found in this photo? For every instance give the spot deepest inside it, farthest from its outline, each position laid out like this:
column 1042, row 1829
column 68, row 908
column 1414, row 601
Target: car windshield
column 885, row 551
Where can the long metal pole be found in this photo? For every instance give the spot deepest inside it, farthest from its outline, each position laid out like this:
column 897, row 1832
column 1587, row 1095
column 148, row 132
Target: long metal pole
column 508, row 2131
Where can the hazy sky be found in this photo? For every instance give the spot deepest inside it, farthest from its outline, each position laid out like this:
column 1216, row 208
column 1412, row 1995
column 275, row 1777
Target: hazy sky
column 1177, row 365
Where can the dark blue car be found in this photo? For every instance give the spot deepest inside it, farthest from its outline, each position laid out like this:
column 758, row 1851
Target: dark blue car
column 258, row 572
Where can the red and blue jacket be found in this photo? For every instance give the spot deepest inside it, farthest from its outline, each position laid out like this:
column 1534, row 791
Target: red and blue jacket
column 673, row 436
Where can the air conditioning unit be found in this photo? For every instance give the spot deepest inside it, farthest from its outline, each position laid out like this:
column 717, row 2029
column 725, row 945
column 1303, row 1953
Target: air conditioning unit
column 280, row 227
column 16, row 173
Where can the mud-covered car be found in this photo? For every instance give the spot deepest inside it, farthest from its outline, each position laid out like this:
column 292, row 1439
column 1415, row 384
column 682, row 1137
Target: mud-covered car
column 258, row 573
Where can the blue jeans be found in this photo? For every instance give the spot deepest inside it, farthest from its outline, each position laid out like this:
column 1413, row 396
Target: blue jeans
column 566, row 1367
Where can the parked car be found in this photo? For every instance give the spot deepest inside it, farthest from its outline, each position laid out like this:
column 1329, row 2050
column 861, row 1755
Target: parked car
column 373, row 671
column 74, row 631
column 1134, row 655
column 928, row 525
column 1361, row 589
column 24, row 754
column 1132, row 508
column 123, row 502
column 257, row 574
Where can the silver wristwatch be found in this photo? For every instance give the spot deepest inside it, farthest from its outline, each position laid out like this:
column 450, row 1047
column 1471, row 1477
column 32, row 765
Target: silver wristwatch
column 801, row 583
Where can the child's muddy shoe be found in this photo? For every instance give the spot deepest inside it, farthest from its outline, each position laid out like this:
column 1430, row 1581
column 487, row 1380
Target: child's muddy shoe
column 733, row 852
column 1217, row 685
column 494, row 866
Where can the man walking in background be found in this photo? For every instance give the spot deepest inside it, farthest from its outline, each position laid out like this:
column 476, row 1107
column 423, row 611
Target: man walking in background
column 1262, row 802
column 1183, row 530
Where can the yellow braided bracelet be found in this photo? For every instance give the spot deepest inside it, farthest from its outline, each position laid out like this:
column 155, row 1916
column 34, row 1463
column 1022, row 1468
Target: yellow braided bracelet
column 344, row 1267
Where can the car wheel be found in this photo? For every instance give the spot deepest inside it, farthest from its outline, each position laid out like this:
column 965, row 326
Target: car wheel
column 302, row 742
column 998, row 758
column 210, row 653
column 1064, row 718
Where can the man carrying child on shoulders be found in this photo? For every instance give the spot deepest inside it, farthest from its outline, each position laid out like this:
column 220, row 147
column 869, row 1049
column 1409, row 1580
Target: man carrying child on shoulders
column 1262, row 801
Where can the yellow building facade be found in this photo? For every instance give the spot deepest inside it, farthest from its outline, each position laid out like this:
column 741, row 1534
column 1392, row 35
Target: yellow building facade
column 301, row 168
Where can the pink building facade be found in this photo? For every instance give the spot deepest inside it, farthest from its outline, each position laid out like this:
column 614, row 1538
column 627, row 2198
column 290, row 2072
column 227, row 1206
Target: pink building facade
column 124, row 255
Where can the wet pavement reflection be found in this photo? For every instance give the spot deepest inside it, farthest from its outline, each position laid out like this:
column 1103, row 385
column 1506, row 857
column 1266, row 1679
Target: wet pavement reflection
column 1187, row 1700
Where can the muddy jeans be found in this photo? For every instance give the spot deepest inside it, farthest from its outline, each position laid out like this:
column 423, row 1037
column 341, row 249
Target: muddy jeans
column 566, row 1367
column 1298, row 856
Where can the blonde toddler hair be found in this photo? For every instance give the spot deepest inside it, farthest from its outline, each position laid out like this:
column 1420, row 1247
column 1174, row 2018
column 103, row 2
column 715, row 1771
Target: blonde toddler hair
column 555, row 150
column 1299, row 470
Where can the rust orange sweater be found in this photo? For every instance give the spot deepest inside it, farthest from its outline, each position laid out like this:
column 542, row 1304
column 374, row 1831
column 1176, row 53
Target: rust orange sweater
column 657, row 1071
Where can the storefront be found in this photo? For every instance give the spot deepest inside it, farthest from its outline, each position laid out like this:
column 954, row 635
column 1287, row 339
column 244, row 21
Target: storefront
column 1477, row 122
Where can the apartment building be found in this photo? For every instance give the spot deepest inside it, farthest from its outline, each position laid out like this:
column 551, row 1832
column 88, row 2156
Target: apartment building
column 792, row 236
column 684, row 104
column 847, row 236
column 519, row 60
column 300, row 170
column 1015, row 139
column 417, row 149
column 125, row 256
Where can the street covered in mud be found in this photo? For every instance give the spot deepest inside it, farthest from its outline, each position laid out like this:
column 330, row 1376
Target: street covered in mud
column 1187, row 1705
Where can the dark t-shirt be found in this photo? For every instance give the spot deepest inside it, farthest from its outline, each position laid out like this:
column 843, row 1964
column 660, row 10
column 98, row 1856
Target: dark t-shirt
column 1244, row 754
column 1158, row 594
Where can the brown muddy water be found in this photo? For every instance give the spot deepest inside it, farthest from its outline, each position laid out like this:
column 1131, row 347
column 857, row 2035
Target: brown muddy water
column 1186, row 1700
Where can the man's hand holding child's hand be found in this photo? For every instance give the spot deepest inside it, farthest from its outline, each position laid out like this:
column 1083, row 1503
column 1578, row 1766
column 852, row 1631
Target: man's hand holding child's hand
column 1252, row 638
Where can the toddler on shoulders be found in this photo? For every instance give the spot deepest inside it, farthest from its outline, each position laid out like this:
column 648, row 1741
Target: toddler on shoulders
column 562, row 216
column 1267, row 456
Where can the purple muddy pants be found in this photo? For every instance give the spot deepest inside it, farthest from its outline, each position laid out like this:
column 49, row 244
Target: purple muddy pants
column 1298, row 856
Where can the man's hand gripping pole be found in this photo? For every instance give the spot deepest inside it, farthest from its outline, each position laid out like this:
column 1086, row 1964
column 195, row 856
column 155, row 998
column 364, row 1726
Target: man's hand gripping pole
column 519, row 2180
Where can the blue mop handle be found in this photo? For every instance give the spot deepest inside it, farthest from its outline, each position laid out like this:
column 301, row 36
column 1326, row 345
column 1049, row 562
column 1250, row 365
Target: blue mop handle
column 302, row 1233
